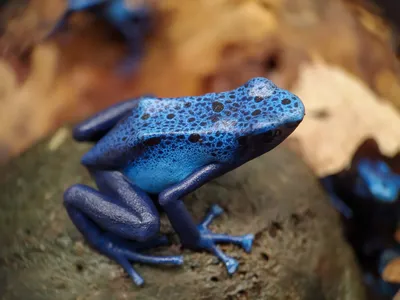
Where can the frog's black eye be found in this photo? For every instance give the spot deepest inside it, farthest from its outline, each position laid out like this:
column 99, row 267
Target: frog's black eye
column 278, row 132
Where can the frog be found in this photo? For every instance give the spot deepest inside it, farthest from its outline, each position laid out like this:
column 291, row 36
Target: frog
column 373, row 180
column 151, row 152
column 132, row 21
column 377, row 180
column 366, row 195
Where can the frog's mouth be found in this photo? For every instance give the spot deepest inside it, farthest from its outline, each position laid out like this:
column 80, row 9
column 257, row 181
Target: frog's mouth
column 255, row 145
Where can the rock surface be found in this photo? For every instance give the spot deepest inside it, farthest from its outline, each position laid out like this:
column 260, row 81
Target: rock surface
column 299, row 251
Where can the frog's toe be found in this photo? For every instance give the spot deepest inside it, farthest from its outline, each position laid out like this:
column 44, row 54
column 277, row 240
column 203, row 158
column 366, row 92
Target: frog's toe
column 137, row 279
column 231, row 265
column 216, row 210
column 124, row 257
column 124, row 252
column 247, row 242
column 208, row 240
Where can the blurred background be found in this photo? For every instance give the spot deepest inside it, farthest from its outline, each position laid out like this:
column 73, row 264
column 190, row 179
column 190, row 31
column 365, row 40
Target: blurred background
column 61, row 62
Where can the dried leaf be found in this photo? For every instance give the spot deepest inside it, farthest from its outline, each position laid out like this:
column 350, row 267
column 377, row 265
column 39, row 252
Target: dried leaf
column 27, row 110
column 341, row 112
column 397, row 296
column 392, row 271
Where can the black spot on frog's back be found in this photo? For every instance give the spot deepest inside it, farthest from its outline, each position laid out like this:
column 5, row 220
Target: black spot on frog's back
column 217, row 106
column 194, row 138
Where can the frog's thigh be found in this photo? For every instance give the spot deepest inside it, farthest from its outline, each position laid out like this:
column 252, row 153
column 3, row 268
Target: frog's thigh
column 119, row 207
column 95, row 127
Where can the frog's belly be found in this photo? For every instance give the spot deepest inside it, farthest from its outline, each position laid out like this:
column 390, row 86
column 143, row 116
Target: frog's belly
column 154, row 176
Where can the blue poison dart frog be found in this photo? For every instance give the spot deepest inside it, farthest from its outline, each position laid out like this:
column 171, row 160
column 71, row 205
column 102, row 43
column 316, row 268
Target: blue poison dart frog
column 373, row 179
column 151, row 148
column 367, row 195
column 377, row 180
column 132, row 21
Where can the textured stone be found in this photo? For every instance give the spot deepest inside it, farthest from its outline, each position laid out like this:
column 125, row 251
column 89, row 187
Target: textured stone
column 299, row 251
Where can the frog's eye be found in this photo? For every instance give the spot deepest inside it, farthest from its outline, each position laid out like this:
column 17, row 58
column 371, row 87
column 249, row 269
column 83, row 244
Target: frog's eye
column 277, row 132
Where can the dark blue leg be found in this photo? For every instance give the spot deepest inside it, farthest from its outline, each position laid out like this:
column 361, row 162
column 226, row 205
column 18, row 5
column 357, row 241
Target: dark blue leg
column 199, row 237
column 338, row 203
column 73, row 5
column 97, row 126
column 118, row 221
column 134, row 24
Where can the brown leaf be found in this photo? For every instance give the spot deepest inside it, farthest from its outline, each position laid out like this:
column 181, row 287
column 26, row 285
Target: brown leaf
column 392, row 271
column 397, row 296
column 351, row 114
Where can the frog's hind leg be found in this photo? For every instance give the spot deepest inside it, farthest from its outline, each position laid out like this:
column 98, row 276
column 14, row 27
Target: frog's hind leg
column 95, row 127
column 200, row 237
column 119, row 220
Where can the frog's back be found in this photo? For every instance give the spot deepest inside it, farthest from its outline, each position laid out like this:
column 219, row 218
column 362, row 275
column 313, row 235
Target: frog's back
column 187, row 123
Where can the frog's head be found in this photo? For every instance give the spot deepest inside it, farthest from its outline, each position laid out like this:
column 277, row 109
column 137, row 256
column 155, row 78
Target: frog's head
column 376, row 180
column 272, row 114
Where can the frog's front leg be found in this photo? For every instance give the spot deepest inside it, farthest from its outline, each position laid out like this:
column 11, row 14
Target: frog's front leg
column 199, row 237
column 72, row 6
column 337, row 202
column 118, row 221
column 134, row 23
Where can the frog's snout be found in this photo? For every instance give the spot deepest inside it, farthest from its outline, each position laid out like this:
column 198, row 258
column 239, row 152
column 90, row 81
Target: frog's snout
column 294, row 110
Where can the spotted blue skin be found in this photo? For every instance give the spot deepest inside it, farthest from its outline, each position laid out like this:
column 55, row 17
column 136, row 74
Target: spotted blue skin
column 377, row 180
column 151, row 148
column 132, row 22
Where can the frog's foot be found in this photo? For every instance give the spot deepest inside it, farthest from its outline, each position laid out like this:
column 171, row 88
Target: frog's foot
column 208, row 240
column 124, row 252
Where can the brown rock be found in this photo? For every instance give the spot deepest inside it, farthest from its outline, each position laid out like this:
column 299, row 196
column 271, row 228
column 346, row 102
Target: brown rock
column 299, row 251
